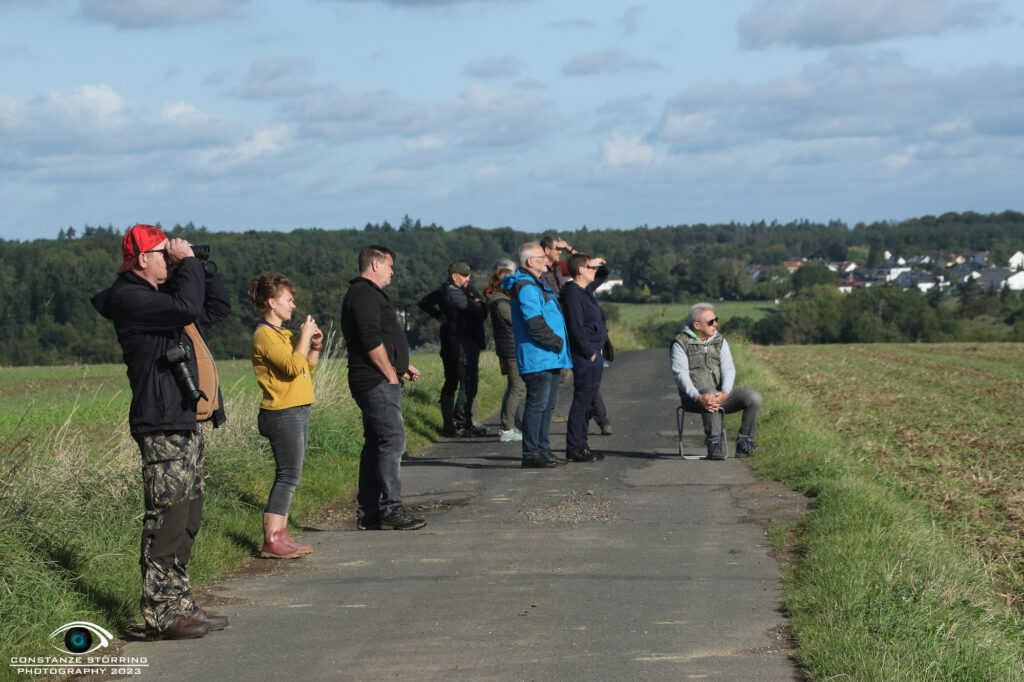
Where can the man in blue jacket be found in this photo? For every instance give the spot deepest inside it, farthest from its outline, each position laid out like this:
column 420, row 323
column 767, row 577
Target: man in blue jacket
column 542, row 351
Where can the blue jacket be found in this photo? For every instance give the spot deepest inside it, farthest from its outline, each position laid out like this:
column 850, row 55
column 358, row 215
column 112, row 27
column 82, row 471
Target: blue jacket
column 537, row 323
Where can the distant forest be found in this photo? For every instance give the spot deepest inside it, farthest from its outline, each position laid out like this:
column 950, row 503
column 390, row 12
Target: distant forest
column 47, row 318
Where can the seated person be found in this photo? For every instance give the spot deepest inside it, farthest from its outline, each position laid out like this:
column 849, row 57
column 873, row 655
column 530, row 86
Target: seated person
column 704, row 372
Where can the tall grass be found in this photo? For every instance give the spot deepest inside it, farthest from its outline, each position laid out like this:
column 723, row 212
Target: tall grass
column 881, row 591
column 71, row 502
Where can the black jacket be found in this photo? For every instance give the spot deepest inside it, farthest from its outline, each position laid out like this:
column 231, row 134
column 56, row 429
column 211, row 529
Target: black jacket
column 149, row 321
column 463, row 313
column 368, row 321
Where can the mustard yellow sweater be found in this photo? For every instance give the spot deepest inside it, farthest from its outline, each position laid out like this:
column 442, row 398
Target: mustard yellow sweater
column 283, row 373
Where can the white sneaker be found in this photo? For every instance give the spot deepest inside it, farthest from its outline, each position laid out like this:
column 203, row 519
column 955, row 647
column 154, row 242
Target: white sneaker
column 509, row 436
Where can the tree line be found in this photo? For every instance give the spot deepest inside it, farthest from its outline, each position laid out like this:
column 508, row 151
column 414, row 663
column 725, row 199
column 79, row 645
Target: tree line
column 47, row 318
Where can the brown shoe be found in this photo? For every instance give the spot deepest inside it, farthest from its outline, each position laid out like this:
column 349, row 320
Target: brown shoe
column 213, row 621
column 185, row 627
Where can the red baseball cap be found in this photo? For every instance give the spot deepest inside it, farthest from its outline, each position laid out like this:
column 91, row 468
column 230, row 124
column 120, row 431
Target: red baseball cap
column 138, row 239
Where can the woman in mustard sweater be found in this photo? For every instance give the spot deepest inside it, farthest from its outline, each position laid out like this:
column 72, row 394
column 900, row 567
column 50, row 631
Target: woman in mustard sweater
column 284, row 371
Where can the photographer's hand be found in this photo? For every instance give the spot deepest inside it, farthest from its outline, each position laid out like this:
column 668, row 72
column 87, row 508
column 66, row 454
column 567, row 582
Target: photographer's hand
column 177, row 249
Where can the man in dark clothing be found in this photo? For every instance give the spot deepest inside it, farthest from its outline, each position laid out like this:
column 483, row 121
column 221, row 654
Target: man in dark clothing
column 462, row 312
column 587, row 337
column 378, row 360
column 154, row 311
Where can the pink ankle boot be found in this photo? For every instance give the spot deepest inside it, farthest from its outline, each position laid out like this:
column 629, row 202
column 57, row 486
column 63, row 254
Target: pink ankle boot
column 300, row 548
column 278, row 547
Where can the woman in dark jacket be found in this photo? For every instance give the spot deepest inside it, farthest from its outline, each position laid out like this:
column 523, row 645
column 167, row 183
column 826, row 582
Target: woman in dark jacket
column 505, row 347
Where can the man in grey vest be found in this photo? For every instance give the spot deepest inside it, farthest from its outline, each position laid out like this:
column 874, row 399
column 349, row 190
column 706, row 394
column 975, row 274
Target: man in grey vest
column 704, row 372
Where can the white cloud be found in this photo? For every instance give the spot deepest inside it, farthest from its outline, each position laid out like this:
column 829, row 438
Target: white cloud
column 277, row 78
column 505, row 66
column 424, row 142
column 264, row 142
column 146, row 14
column 827, row 23
column 488, row 171
column 621, row 150
column 606, row 61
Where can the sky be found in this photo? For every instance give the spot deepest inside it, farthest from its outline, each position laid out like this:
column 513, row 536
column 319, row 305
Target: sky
column 542, row 115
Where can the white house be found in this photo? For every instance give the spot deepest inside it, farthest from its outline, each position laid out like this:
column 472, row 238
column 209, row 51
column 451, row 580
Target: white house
column 1016, row 261
column 1015, row 282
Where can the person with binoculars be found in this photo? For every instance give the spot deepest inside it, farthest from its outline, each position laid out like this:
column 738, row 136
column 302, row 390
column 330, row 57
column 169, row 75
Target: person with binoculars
column 284, row 370
column 162, row 292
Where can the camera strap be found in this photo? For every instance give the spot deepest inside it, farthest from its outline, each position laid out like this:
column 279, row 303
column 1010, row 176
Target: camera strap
column 209, row 402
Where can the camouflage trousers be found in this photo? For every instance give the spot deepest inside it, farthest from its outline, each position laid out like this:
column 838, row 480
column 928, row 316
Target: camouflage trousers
column 172, row 479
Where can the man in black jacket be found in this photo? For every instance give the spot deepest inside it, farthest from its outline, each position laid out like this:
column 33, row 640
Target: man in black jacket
column 378, row 360
column 462, row 312
column 154, row 311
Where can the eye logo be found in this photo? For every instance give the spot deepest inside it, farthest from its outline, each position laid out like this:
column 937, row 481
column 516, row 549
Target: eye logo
column 80, row 637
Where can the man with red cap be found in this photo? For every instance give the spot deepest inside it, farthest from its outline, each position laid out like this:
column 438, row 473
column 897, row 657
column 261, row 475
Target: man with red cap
column 155, row 303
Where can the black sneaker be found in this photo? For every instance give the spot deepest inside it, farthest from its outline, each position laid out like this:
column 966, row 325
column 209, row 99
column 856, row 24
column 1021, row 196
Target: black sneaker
column 714, row 449
column 745, row 446
column 368, row 523
column 584, row 455
column 539, row 462
column 471, row 432
column 401, row 519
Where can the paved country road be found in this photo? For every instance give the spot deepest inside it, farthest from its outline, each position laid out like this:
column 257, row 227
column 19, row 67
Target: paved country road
column 642, row 566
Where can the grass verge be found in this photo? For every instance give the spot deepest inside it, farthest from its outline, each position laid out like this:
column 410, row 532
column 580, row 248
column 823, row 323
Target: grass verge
column 71, row 503
column 885, row 587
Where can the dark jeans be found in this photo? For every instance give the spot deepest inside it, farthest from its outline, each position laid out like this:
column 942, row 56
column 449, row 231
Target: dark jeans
column 288, row 433
column 461, row 373
column 586, row 379
column 515, row 391
column 380, row 491
column 746, row 399
column 541, row 396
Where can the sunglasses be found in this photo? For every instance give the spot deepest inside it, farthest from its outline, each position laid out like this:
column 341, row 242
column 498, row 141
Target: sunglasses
column 713, row 320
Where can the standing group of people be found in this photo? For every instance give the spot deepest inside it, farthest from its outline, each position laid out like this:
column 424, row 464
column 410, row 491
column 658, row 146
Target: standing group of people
column 546, row 321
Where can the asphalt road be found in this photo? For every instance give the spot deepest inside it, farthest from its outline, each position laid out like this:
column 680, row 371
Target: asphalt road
column 641, row 566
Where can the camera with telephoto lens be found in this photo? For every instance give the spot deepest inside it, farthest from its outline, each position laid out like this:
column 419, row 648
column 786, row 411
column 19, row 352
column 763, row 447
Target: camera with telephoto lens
column 178, row 356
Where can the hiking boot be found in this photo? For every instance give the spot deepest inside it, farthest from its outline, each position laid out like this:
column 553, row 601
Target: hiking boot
column 401, row 519
column 539, row 462
column 745, row 445
column 213, row 621
column 509, row 436
column 471, row 431
column 714, row 449
column 368, row 523
column 185, row 627
column 606, row 430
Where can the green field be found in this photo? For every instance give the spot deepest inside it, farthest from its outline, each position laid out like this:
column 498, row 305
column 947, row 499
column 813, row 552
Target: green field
column 912, row 566
column 639, row 315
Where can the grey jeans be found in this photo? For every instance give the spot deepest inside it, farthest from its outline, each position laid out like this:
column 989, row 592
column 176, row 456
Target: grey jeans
column 288, row 433
column 380, row 490
column 746, row 399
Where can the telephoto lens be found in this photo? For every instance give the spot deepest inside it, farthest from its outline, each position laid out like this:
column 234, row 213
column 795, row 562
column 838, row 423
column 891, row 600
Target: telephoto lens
column 177, row 357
